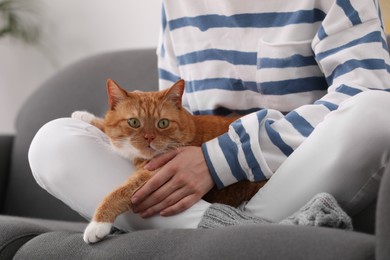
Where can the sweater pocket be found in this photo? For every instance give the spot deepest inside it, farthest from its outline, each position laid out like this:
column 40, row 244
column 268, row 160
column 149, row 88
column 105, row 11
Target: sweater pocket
column 288, row 68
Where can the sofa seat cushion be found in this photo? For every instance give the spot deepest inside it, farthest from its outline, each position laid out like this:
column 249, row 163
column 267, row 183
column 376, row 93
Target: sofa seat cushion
column 245, row 242
column 15, row 231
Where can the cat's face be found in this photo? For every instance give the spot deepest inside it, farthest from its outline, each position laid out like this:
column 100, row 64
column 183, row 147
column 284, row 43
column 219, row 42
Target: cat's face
column 145, row 124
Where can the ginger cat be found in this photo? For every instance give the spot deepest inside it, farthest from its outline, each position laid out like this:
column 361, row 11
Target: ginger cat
column 141, row 125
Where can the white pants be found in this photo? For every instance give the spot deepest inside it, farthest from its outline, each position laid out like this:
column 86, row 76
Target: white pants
column 345, row 156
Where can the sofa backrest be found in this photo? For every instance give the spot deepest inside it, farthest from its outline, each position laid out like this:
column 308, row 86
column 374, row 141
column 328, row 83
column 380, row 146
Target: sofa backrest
column 80, row 86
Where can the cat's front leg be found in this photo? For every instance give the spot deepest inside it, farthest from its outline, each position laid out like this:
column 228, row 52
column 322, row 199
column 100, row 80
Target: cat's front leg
column 114, row 204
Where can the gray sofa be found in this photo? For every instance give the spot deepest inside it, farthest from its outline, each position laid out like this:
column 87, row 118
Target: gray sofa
column 34, row 225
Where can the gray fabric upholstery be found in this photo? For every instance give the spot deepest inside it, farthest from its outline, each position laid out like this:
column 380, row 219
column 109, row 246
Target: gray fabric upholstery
column 6, row 142
column 383, row 218
column 16, row 231
column 82, row 86
column 246, row 242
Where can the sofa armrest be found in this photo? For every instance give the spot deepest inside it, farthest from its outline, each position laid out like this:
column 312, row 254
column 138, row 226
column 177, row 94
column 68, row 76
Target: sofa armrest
column 382, row 218
column 6, row 142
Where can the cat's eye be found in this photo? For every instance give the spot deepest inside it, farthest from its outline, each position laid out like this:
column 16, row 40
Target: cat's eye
column 134, row 122
column 163, row 123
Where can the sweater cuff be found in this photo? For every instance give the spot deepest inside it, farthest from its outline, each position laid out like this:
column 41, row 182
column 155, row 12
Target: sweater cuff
column 221, row 155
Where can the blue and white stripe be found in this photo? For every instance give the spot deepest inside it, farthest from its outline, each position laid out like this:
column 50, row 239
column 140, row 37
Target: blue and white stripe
column 285, row 64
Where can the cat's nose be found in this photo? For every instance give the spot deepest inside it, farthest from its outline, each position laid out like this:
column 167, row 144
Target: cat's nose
column 149, row 137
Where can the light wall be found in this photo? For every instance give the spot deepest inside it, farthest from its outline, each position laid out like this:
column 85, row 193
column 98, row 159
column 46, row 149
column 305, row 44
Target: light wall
column 73, row 29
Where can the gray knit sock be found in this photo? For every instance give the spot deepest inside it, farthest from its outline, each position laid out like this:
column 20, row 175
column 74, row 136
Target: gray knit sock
column 322, row 210
column 221, row 215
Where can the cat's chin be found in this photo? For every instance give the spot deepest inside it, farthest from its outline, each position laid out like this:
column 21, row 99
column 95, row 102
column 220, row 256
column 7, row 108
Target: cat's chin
column 149, row 153
column 127, row 151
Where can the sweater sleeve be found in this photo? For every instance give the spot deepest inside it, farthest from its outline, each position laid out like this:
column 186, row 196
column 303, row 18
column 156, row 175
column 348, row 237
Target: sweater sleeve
column 351, row 51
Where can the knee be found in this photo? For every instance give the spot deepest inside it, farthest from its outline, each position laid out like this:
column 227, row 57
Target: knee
column 370, row 103
column 49, row 137
column 51, row 149
column 368, row 113
column 370, row 108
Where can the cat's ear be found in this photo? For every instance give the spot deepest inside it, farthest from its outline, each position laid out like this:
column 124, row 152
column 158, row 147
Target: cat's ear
column 175, row 93
column 115, row 93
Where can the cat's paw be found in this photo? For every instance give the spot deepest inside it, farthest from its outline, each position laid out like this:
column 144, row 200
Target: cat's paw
column 96, row 231
column 83, row 116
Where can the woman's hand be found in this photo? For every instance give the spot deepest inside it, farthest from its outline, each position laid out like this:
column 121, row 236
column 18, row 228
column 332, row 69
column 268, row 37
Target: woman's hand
column 181, row 182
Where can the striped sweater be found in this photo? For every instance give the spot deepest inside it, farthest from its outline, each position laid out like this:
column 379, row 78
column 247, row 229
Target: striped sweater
column 284, row 64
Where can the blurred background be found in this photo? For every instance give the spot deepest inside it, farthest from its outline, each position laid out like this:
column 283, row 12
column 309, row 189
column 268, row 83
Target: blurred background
column 385, row 5
column 39, row 37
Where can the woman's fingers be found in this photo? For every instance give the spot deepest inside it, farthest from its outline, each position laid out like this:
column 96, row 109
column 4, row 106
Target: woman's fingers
column 161, row 160
column 180, row 182
column 150, row 186
column 180, row 206
column 174, row 198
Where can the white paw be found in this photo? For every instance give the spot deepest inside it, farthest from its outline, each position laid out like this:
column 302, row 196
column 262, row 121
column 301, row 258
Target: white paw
column 83, row 116
column 96, row 231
